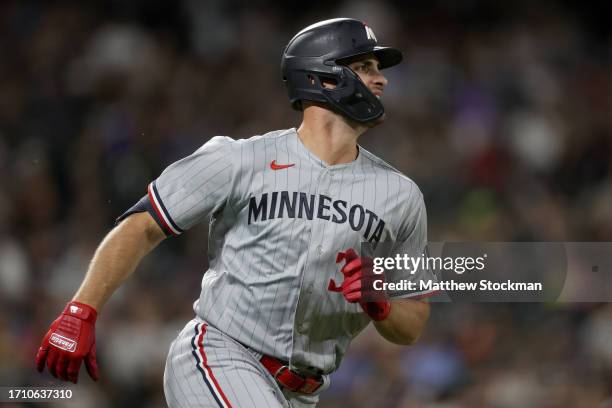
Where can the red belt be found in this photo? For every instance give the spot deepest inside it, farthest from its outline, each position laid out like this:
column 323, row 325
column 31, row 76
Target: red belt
column 290, row 379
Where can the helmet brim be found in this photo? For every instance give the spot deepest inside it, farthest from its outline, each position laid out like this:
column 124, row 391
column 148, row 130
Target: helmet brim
column 387, row 56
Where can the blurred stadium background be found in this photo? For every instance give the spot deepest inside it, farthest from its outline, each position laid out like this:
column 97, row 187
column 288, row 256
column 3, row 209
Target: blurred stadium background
column 502, row 113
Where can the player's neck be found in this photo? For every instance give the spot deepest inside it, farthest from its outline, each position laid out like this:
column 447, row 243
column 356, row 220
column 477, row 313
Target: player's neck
column 328, row 136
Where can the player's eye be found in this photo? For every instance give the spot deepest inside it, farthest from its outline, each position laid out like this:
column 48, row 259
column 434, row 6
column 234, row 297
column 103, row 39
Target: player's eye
column 365, row 68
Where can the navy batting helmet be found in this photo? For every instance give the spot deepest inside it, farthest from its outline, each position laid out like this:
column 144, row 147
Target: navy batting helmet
column 312, row 57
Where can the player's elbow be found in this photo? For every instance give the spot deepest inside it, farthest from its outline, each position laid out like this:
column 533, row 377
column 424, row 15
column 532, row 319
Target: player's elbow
column 402, row 337
column 422, row 313
column 408, row 328
column 410, row 336
column 408, row 339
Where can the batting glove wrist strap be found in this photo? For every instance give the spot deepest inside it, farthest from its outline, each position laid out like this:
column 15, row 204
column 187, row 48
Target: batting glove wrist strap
column 377, row 310
column 70, row 341
column 81, row 311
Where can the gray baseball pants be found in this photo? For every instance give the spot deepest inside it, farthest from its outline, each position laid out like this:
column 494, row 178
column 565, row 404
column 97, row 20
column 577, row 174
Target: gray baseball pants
column 207, row 368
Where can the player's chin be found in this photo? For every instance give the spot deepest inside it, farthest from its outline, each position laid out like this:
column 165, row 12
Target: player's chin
column 377, row 121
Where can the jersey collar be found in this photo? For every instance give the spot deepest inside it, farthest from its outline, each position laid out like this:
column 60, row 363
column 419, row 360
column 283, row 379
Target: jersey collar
column 319, row 162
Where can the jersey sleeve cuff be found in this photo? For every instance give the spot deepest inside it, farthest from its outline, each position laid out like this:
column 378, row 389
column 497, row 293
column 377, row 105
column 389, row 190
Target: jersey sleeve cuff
column 161, row 214
column 143, row 205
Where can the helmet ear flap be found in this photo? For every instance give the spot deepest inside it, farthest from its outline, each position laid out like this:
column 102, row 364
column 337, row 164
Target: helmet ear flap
column 303, row 84
column 352, row 98
column 345, row 93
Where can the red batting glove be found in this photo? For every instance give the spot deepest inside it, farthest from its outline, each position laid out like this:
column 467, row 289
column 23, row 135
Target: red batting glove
column 356, row 284
column 70, row 340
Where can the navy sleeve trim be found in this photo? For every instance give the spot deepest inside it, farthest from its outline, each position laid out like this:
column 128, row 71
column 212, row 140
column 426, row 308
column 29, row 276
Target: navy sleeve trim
column 144, row 204
column 162, row 213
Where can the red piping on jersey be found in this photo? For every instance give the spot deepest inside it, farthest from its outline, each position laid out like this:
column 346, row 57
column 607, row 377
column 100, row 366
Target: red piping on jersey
column 204, row 363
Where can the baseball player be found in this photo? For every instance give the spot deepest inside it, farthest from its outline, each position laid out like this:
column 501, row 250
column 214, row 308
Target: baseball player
column 284, row 295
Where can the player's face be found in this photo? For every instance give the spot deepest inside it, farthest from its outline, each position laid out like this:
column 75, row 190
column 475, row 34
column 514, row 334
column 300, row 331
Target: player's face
column 367, row 68
column 368, row 71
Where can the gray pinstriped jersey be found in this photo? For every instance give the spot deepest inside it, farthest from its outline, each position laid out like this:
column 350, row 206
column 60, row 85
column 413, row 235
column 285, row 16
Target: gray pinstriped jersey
column 275, row 230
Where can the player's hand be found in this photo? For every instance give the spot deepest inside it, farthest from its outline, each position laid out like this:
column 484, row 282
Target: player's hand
column 353, row 286
column 69, row 341
column 357, row 286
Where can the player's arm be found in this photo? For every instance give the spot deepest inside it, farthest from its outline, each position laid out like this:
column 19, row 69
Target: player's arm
column 117, row 257
column 71, row 338
column 406, row 317
column 186, row 192
column 405, row 321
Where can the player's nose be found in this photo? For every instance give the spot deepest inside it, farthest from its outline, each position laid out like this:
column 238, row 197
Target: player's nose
column 379, row 82
column 380, row 79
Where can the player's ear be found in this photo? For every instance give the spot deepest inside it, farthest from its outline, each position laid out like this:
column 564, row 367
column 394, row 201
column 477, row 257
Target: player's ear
column 329, row 83
column 326, row 82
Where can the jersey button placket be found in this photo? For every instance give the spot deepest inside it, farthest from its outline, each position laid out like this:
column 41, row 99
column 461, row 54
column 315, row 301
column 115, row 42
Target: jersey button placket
column 304, row 309
column 318, row 228
column 324, row 186
column 324, row 183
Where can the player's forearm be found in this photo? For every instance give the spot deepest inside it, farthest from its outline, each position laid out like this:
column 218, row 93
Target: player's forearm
column 405, row 322
column 117, row 257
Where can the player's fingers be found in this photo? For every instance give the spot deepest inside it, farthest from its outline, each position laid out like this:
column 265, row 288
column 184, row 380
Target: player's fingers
column 41, row 358
column 350, row 254
column 73, row 369
column 352, row 292
column 353, row 297
column 61, row 367
column 351, row 267
column 52, row 360
column 91, row 364
column 351, row 286
column 350, row 279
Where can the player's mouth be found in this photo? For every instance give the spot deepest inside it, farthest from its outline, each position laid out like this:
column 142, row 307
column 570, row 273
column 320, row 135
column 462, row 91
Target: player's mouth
column 377, row 92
